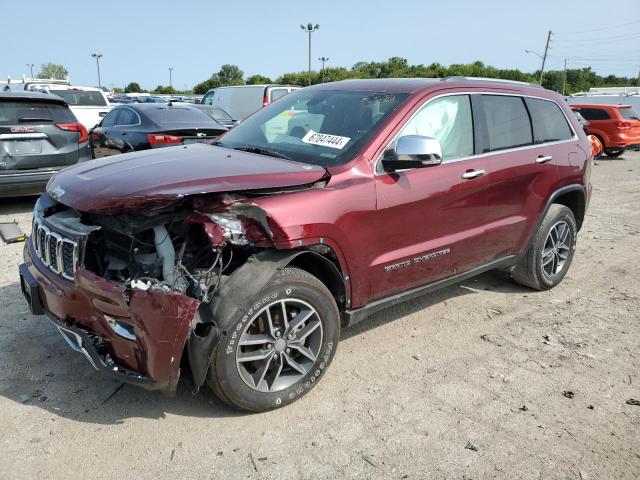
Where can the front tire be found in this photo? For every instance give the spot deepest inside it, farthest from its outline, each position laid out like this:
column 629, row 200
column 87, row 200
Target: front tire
column 280, row 348
column 549, row 256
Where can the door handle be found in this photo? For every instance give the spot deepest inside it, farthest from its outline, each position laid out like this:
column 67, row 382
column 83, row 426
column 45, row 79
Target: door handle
column 469, row 174
column 544, row 159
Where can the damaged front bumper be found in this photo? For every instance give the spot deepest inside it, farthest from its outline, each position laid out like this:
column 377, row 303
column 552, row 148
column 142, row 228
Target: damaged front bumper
column 135, row 335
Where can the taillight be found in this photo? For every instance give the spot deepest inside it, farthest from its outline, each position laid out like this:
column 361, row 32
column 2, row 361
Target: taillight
column 75, row 127
column 163, row 139
column 624, row 125
column 265, row 101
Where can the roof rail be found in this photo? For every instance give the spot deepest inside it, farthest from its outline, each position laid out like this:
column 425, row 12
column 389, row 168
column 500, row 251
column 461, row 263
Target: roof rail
column 457, row 78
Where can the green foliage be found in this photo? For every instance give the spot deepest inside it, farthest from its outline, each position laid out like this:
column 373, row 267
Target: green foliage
column 133, row 87
column 227, row 75
column 577, row 80
column 53, row 70
column 167, row 90
column 117, row 90
column 258, row 79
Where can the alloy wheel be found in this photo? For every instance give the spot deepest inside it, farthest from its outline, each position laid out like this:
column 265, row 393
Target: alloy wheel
column 557, row 247
column 279, row 345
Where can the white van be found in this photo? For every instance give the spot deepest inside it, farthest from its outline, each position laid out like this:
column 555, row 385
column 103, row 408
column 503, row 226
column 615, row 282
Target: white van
column 243, row 100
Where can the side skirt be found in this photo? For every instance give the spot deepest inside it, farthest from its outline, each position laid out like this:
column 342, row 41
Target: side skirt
column 351, row 317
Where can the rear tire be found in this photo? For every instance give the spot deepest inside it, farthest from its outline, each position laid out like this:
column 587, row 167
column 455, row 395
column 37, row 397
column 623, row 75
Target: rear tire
column 549, row 256
column 613, row 152
column 280, row 348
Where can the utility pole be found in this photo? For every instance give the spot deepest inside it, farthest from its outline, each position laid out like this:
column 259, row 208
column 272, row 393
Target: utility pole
column 98, row 56
column 323, row 60
column 170, row 77
column 638, row 85
column 310, row 28
column 30, row 65
column 544, row 58
column 564, row 76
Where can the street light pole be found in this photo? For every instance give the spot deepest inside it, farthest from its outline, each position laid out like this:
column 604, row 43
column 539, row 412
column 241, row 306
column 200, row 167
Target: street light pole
column 310, row 28
column 323, row 60
column 30, row 65
column 170, row 78
column 98, row 56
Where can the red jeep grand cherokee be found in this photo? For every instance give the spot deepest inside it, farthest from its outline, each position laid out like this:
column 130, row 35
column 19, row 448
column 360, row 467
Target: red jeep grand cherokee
column 244, row 259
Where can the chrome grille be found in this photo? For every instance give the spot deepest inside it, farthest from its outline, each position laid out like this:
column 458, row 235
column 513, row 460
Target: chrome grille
column 60, row 254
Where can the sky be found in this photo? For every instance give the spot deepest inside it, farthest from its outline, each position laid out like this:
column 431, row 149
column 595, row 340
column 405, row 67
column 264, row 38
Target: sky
column 141, row 39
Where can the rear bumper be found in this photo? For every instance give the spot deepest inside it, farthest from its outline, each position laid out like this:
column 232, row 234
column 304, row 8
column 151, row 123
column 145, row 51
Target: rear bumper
column 16, row 182
column 134, row 336
column 628, row 142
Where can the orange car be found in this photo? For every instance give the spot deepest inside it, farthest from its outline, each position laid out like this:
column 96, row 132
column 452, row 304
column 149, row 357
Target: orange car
column 616, row 126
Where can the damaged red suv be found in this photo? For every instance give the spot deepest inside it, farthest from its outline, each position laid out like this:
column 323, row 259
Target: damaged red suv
column 241, row 261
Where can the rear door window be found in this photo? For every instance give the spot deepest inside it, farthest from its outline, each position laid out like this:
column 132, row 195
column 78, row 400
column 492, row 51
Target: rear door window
column 448, row 119
column 15, row 113
column 594, row 114
column 507, row 121
column 110, row 119
column 549, row 123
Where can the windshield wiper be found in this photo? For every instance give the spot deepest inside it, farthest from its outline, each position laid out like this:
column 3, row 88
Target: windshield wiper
column 261, row 151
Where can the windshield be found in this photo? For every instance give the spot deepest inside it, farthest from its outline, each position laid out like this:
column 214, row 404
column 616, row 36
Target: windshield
column 80, row 97
column 321, row 127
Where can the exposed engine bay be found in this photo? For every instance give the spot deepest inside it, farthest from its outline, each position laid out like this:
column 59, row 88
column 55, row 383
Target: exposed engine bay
column 181, row 249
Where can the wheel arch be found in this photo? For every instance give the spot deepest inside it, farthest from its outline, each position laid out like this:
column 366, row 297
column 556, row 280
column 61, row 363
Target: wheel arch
column 572, row 198
column 213, row 319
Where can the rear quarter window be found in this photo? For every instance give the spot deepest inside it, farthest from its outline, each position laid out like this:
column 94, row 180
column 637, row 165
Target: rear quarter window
column 507, row 121
column 628, row 113
column 549, row 123
column 15, row 113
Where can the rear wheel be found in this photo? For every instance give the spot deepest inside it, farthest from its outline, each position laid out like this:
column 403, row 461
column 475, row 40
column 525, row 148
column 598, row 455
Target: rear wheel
column 614, row 152
column 549, row 256
column 280, row 348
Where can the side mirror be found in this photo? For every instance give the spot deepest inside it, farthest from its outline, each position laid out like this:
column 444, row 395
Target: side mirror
column 596, row 145
column 413, row 151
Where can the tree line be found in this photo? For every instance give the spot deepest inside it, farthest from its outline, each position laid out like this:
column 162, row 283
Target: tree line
column 577, row 79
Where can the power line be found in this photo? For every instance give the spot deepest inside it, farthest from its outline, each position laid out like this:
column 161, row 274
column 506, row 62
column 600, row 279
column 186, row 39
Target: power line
column 591, row 30
column 595, row 41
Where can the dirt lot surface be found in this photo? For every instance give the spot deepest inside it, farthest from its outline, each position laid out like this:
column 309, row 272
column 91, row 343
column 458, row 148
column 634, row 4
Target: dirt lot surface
column 482, row 380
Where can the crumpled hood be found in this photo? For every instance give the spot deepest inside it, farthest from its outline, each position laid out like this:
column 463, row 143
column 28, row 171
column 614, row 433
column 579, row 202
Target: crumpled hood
column 157, row 178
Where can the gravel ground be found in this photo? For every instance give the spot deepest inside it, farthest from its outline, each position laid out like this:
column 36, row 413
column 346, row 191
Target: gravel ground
column 481, row 380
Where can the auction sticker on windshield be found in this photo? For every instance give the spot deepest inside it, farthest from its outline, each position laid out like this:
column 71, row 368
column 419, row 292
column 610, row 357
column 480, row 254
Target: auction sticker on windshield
column 324, row 140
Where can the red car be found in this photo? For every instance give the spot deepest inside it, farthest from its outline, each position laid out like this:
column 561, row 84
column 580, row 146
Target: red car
column 243, row 260
column 616, row 126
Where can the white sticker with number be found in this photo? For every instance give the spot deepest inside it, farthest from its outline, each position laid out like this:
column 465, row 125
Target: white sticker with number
column 325, row 140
